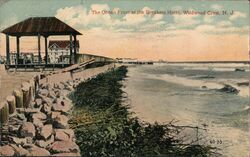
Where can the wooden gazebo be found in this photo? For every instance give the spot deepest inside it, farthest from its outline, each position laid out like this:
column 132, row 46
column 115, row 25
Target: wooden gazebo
column 40, row 26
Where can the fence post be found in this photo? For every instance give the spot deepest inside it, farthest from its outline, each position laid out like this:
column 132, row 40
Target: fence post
column 12, row 104
column 19, row 98
column 26, row 94
column 4, row 112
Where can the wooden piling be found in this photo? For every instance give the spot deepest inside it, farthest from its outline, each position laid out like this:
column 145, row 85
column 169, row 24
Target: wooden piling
column 26, row 94
column 32, row 89
column 19, row 98
column 12, row 104
column 4, row 113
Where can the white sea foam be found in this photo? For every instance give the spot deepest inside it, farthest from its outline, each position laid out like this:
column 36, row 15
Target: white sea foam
column 154, row 100
column 218, row 84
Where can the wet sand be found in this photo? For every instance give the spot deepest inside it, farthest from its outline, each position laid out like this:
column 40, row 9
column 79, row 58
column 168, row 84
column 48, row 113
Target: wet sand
column 164, row 93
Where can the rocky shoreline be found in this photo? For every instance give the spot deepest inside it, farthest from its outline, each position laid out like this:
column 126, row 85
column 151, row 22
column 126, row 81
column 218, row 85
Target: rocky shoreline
column 41, row 128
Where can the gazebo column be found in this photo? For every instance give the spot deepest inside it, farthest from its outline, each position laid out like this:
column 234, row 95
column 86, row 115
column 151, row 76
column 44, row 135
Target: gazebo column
column 75, row 56
column 46, row 50
column 17, row 49
column 7, row 49
column 70, row 49
column 39, row 49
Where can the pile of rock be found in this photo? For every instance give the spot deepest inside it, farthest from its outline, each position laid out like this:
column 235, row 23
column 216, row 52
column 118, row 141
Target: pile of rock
column 42, row 129
column 229, row 89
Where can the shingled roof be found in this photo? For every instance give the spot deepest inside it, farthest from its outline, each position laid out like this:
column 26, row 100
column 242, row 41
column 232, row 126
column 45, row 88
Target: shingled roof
column 40, row 25
column 62, row 43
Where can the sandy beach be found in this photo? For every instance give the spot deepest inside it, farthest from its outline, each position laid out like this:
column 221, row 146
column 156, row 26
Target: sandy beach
column 174, row 92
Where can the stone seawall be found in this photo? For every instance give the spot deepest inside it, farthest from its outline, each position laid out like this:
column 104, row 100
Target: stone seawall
column 35, row 118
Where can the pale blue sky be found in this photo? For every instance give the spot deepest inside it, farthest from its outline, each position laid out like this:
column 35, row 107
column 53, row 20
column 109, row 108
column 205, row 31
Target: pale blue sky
column 17, row 10
column 170, row 37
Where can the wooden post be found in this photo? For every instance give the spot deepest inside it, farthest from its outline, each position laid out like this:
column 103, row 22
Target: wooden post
column 12, row 104
column 4, row 111
column 46, row 50
column 7, row 50
column 26, row 94
column 19, row 98
column 75, row 59
column 39, row 49
column 32, row 89
column 70, row 43
column 17, row 49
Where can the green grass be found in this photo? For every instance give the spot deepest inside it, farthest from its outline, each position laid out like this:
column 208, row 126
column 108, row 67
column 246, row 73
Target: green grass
column 104, row 126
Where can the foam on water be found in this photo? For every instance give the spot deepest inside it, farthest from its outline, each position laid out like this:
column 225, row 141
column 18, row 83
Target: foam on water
column 159, row 93
column 243, row 91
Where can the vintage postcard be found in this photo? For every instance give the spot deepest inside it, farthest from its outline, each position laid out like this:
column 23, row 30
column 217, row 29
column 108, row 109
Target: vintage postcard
column 125, row 78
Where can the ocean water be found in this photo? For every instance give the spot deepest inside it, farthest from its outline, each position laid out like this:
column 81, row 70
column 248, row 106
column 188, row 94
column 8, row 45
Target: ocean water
column 189, row 94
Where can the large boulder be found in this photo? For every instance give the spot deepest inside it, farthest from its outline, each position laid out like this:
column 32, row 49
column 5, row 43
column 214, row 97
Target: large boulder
column 38, row 123
column 62, row 106
column 46, row 99
column 46, row 108
column 64, row 147
column 46, row 131
column 61, row 136
column 37, row 151
column 229, row 89
column 44, row 92
column 18, row 141
column 57, row 93
column 60, row 86
column 52, row 94
column 65, row 92
column 64, row 134
column 27, row 130
column 41, row 116
column 61, row 121
column 19, row 151
column 21, row 117
column 54, row 114
column 14, row 129
column 7, row 151
column 43, row 143
column 38, row 102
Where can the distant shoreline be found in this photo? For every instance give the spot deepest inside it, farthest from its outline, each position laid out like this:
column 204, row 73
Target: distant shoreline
column 201, row 62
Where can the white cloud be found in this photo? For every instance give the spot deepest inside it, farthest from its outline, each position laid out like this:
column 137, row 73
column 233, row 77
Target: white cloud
column 217, row 29
column 157, row 17
column 82, row 18
column 236, row 15
column 185, row 20
column 133, row 19
column 216, row 6
column 79, row 16
column 224, row 23
column 208, row 18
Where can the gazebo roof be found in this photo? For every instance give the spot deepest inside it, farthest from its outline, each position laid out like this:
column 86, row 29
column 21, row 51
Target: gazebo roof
column 40, row 25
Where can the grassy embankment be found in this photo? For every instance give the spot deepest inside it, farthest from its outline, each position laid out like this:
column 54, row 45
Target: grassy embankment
column 104, row 126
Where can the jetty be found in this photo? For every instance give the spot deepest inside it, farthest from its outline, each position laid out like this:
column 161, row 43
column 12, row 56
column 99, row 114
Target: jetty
column 34, row 118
